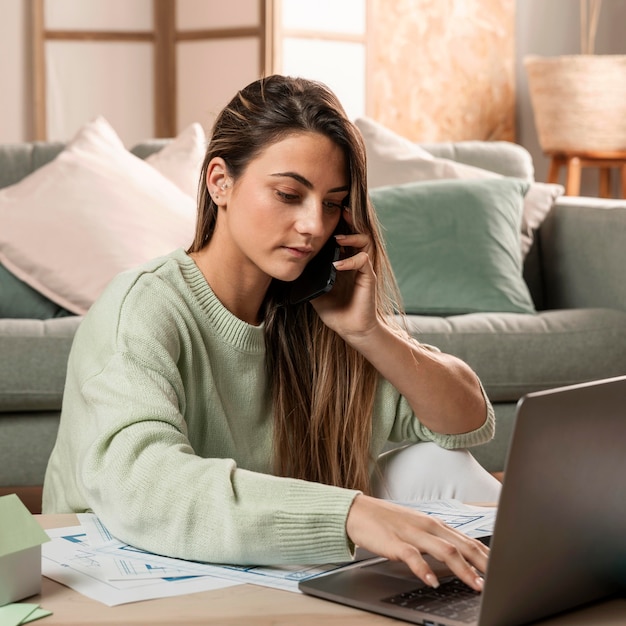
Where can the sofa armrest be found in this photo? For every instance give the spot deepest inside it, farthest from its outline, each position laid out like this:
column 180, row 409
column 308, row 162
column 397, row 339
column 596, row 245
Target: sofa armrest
column 503, row 157
column 583, row 251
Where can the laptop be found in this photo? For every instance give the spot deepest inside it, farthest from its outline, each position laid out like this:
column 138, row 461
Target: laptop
column 560, row 534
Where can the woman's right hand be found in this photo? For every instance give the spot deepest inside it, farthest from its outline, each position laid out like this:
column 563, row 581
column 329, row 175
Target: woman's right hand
column 403, row 534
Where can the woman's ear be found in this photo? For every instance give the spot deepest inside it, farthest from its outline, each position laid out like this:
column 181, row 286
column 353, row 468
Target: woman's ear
column 218, row 181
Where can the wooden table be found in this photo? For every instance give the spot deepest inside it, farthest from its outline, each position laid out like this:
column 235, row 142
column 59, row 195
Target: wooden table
column 243, row 605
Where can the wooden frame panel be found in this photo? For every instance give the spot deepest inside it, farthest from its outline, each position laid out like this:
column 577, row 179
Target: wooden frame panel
column 164, row 36
column 165, row 68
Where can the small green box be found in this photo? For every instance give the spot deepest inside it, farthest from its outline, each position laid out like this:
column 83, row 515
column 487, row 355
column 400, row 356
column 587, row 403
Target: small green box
column 20, row 551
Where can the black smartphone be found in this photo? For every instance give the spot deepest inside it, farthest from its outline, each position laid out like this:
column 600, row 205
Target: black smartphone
column 318, row 276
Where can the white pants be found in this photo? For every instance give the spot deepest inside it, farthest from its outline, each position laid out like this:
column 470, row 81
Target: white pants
column 425, row 471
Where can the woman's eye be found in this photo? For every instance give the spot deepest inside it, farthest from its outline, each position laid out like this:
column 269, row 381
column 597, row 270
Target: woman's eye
column 333, row 206
column 287, row 197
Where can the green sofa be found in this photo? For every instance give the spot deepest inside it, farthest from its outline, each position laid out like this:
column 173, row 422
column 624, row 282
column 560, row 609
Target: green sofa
column 574, row 272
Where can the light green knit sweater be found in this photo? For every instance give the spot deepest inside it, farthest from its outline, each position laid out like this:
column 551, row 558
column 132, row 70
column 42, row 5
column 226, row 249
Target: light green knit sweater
column 166, row 430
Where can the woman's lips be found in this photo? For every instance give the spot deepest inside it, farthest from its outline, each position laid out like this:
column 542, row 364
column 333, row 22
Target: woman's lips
column 299, row 252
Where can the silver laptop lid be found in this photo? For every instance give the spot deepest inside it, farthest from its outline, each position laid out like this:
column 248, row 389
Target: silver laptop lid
column 560, row 535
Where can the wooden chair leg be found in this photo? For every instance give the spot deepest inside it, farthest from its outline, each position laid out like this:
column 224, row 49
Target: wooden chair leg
column 572, row 183
column 553, row 171
column 623, row 181
column 605, row 182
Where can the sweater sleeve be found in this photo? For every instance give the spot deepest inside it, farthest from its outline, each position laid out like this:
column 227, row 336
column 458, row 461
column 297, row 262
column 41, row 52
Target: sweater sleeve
column 407, row 427
column 140, row 475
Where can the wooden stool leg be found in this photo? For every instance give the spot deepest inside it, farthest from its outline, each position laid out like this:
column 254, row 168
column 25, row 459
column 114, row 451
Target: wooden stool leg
column 623, row 172
column 572, row 182
column 553, row 171
column 605, row 182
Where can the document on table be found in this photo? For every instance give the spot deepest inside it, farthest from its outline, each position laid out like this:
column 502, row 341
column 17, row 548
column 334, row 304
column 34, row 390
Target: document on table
column 90, row 560
column 72, row 561
column 473, row 521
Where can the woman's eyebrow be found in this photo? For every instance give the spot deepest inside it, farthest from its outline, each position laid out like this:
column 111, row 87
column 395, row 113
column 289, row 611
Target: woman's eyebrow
column 307, row 183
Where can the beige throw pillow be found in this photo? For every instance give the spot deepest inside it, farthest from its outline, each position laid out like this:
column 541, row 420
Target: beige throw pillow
column 95, row 210
column 181, row 159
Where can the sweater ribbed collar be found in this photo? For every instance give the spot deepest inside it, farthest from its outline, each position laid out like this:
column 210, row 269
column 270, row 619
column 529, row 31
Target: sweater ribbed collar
column 234, row 331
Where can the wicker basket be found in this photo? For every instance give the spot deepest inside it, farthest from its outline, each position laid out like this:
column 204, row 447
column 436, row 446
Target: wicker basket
column 579, row 101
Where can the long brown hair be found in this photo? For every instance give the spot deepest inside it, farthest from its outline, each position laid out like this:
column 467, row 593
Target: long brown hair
column 323, row 390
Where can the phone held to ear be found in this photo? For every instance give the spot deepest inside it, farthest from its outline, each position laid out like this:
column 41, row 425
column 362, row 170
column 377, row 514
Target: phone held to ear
column 318, row 276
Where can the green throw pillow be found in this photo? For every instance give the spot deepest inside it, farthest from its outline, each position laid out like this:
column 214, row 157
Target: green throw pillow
column 18, row 300
column 454, row 245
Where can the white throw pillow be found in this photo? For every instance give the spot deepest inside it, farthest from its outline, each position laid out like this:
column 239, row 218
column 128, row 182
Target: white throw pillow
column 95, row 210
column 395, row 160
column 181, row 159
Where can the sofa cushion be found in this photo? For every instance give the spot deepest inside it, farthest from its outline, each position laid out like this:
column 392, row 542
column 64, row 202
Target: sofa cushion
column 392, row 161
column 25, row 446
column 20, row 159
column 99, row 210
column 515, row 354
column 18, row 300
column 503, row 157
column 34, row 362
column 583, row 253
column 454, row 245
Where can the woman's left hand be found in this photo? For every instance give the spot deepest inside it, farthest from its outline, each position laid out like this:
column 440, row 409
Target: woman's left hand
column 349, row 308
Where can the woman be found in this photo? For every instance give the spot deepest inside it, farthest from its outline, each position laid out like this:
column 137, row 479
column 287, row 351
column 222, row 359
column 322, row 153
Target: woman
column 205, row 417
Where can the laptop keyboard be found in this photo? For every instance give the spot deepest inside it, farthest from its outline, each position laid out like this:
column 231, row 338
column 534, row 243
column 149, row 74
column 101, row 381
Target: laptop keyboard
column 452, row 599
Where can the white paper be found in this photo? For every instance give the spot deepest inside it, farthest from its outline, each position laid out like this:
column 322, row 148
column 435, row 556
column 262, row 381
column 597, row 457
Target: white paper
column 70, row 560
column 473, row 521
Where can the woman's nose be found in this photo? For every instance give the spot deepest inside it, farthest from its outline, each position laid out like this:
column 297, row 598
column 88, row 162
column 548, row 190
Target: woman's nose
column 311, row 219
